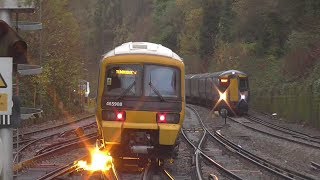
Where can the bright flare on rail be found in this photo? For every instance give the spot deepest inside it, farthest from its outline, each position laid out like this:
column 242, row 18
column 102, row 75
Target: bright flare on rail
column 100, row 161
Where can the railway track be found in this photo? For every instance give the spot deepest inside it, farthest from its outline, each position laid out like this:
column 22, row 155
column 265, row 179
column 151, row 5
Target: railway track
column 293, row 133
column 34, row 168
column 78, row 142
column 197, row 143
column 28, row 134
column 269, row 166
column 287, row 135
column 71, row 170
column 20, row 151
column 37, row 165
column 275, row 117
column 154, row 170
column 199, row 152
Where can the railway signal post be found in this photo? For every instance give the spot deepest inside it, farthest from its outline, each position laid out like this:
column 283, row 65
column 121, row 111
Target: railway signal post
column 6, row 104
column 13, row 51
column 224, row 115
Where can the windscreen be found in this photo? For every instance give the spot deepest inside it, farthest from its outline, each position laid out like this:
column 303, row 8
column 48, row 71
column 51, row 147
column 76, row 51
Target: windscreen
column 164, row 79
column 243, row 84
column 122, row 79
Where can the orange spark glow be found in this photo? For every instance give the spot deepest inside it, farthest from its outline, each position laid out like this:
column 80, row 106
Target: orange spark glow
column 100, row 161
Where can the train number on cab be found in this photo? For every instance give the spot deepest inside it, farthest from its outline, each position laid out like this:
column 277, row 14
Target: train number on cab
column 118, row 104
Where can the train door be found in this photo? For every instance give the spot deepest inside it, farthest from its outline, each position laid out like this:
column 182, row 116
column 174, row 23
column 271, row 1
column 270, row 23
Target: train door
column 234, row 89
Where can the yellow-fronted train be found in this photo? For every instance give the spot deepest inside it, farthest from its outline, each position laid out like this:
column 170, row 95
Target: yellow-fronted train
column 220, row 90
column 141, row 101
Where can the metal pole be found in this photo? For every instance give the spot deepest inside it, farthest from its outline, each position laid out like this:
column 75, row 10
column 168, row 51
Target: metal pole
column 40, row 53
column 40, row 19
column 6, row 134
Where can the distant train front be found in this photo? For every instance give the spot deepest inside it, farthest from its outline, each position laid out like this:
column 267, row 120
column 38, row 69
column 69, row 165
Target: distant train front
column 220, row 90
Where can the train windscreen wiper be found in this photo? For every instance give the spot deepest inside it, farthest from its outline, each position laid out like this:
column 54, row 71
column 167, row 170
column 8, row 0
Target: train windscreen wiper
column 126, row 90
column 156, row 90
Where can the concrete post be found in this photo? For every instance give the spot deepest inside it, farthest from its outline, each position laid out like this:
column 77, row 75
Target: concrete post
column 6, row 134
column 6, row 153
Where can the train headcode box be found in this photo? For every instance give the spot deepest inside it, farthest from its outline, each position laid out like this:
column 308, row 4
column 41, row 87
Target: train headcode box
column 5, row 90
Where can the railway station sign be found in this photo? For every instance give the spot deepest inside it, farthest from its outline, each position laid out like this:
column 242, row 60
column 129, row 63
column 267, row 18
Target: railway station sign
column 5, row 88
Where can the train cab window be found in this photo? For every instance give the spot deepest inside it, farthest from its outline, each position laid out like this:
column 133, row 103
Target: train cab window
column 165, row 80
column 243, row 84
column 124, row 80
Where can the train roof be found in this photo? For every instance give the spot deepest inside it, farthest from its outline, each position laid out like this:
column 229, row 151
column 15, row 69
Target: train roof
column 215, row 74
column 188, row 76
column 200, row 75
column 228, row 72
column 142, row 48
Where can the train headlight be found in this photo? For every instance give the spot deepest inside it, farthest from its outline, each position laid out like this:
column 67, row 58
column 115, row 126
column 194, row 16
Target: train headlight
column 243, row 97
column 223, row 96
column 114, row 116
column 171, row 118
